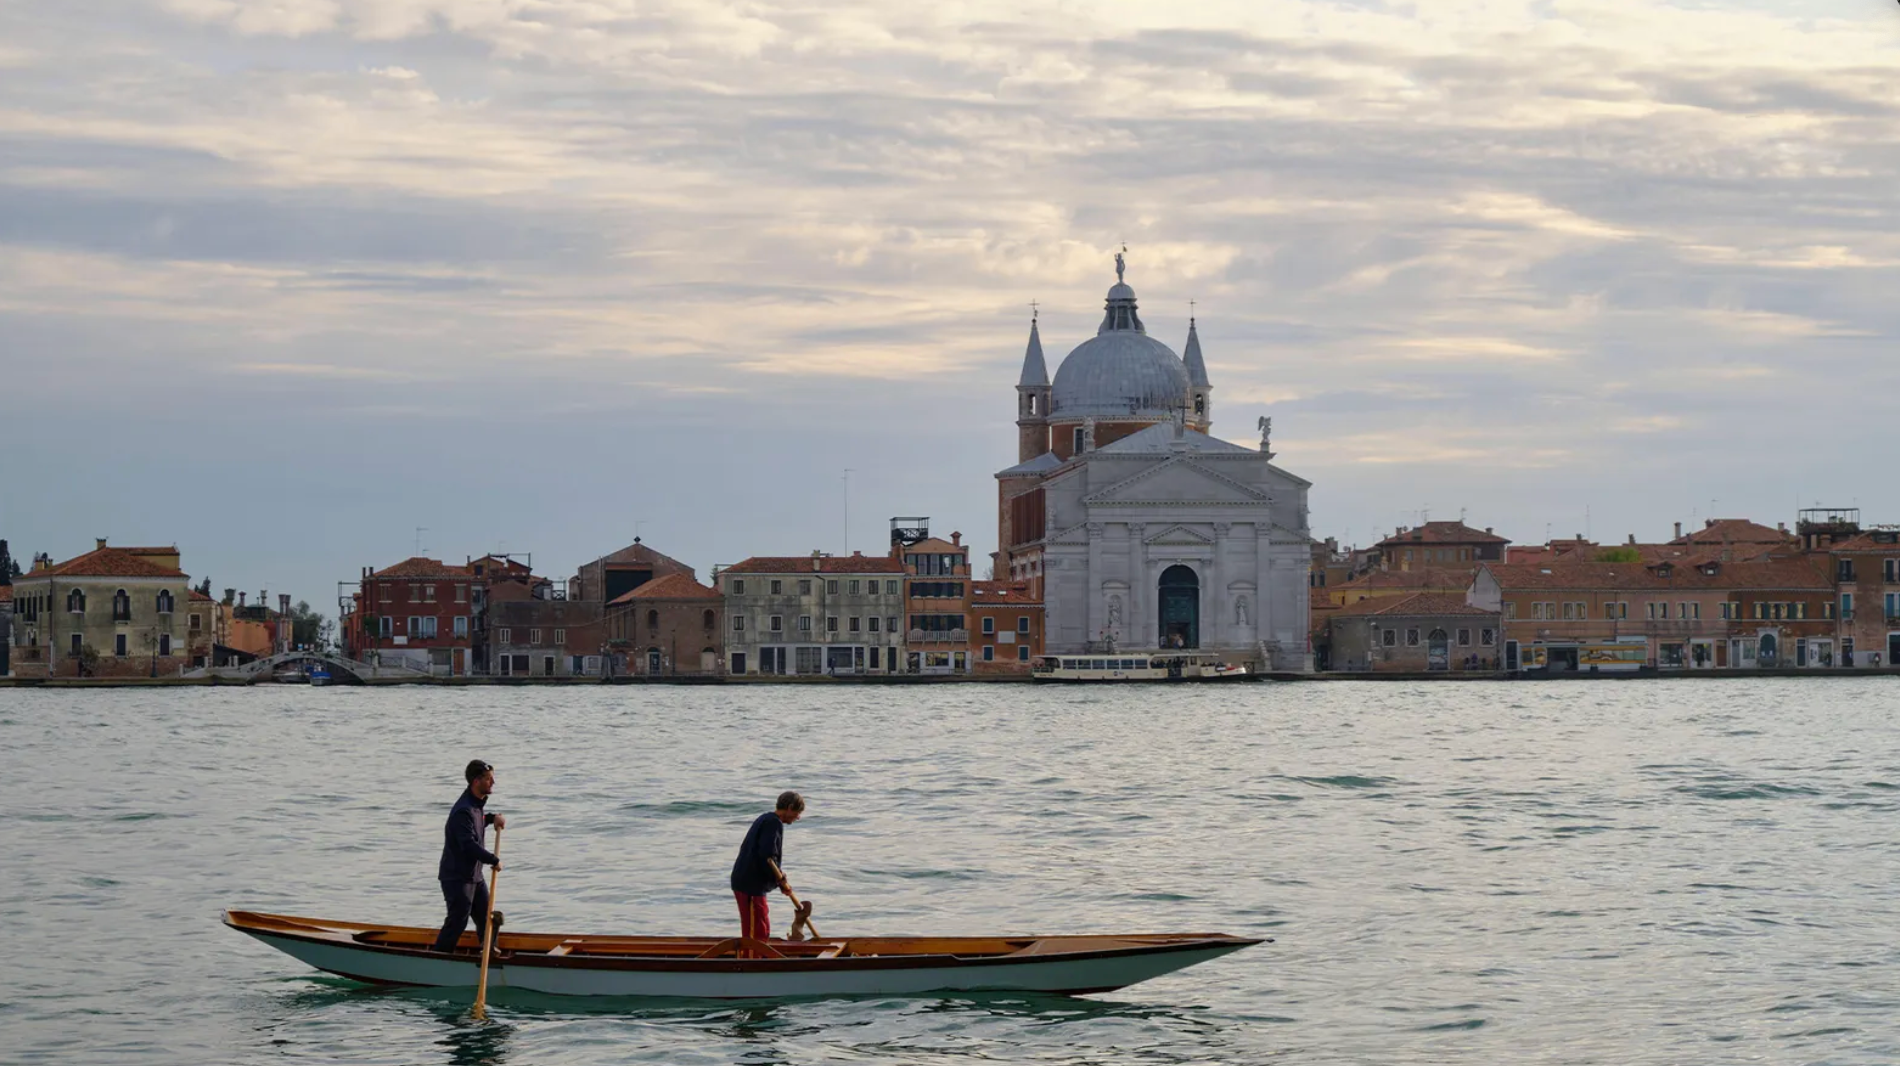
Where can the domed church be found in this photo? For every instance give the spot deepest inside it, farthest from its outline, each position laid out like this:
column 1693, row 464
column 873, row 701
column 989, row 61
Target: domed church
column 1140, row 530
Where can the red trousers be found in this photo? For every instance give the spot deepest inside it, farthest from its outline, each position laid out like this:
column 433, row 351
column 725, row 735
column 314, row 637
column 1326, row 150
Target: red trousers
column 755, row 916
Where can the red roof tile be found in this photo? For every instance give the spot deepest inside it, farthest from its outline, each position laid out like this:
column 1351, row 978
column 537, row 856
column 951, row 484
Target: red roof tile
column 1442, row 533
column 200, row 597
column 822, row 564
column 1001, row 594
column 1870, row 542
column 1791, row 573
column 417, row 566
column 670, row 587
column 6, row 593
column 1732, row 531
column 1418, row 604
column 1430, row 577
column 107, row 562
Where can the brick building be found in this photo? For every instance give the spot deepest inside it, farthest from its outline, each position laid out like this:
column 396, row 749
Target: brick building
column 1866, row 571
column 418, row 612
column 1007, row 633
column 670, row 626
column 1418, row 632
column 112, row 612
column 813, row 615
column 1438, row 544
column 937, row 599
column 614, row 575
column 535, row 630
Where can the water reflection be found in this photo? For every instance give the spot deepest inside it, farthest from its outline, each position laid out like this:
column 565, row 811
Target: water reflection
column 470, row 1042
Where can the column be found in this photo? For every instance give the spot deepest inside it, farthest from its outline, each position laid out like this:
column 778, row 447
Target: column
column 1216, row 635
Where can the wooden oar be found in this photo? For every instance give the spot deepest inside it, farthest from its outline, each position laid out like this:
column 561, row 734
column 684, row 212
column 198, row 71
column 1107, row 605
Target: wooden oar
column 801, row 912
column 488, row 931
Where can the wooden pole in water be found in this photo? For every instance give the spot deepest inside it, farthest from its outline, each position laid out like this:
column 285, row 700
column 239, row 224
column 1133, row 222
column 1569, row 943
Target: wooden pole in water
column 488, row 931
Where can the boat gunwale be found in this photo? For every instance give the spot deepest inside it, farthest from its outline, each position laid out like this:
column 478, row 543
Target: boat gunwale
column 790, row 964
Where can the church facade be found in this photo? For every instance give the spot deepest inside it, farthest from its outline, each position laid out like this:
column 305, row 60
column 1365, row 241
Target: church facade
column 1139, row 529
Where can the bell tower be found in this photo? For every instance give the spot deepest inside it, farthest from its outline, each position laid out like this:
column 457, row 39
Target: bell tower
column 1200, row 399
column 1032, row 401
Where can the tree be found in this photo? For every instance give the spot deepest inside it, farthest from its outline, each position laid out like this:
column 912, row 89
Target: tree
column 8, row 568
column 204, row 587
column 308, row 629
column 1623, row 554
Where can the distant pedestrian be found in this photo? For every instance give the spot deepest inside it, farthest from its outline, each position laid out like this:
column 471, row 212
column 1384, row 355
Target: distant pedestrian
column 760, row 865
column 464, row 851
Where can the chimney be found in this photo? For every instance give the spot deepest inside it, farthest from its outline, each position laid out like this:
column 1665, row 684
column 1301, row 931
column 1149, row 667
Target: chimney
column 956, row 539
column 1678, row 530
column 1707, row 522
column 229, row 595
column 1487, row 529
column 241, row 596
column 1579, row 538
column 1632, row 538
column 815, row 567
column 99, row 543
column 283, row 603
column 1782, row 526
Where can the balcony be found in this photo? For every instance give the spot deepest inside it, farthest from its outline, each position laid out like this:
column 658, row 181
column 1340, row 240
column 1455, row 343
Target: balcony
column 941, row 636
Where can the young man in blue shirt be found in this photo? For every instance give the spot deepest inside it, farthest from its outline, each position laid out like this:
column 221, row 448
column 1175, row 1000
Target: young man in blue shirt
column 760, row 865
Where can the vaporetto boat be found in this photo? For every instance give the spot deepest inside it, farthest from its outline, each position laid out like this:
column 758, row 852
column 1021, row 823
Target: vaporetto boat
column 715, row 968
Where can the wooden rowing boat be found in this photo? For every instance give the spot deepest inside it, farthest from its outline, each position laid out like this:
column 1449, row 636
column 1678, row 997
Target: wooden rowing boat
column 715, row 968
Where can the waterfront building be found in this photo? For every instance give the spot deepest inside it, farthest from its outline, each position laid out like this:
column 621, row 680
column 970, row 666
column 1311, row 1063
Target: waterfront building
column 1623, row 616
column 1006, row 621
column 614, row 575
column 1416, row 632
column 1866, row 569
column 536, row 630
column 418, row 613
column 937, row 594
column 112, row 612
column 201, row 628
column 6, row 629
column 1134, row 526
column 813, row 615
column 672, row 625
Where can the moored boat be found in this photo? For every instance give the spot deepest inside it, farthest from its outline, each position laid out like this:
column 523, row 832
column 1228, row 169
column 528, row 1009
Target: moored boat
column 1139, row 666
column 712, row 967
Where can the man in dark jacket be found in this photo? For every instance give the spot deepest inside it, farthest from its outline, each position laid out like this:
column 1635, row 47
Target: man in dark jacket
column 759, row 867
column 464, row 850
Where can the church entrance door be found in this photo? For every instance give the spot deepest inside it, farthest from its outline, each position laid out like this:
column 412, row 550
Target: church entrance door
column 1180, row 604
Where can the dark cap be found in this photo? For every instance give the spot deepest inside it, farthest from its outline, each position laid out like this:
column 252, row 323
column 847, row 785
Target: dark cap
column 475, row 769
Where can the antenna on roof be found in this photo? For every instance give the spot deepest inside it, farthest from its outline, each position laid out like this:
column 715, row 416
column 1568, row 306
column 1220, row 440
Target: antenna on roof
column 420, row 530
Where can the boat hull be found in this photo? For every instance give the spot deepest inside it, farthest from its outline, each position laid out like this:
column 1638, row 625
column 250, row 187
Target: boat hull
column 685, row 976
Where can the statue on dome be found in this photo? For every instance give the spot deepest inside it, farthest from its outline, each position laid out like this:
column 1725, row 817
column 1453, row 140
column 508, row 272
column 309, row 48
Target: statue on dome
column 1119, row 265
column 1266, row 434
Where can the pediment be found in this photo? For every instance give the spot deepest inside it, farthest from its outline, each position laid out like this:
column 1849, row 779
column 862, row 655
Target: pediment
column 1179, row 534
column 1178, row 481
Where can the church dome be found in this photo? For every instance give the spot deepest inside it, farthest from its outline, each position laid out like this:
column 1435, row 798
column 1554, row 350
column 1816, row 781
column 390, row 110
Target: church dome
column 1121, row 371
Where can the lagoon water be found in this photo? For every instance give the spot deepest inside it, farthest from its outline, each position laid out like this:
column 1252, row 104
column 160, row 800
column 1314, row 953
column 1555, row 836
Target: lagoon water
column 1612, row 872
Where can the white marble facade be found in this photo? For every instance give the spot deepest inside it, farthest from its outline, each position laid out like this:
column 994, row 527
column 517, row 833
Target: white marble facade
column 1122, row 519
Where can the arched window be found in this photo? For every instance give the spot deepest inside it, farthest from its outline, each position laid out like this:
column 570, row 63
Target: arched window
column 121, row 606
column 76, row 601
column 707, row 621
column 1200, row 405
column 653, row 620
column 165, row 601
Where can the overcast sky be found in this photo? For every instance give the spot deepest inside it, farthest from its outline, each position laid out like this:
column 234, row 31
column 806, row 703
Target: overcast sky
column 283, row 280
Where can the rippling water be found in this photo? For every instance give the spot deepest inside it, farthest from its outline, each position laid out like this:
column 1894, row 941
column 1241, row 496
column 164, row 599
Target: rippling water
column 1610, row 872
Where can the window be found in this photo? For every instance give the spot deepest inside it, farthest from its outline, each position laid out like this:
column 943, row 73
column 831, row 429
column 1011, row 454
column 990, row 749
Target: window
column 890, row 588
column 1761, row 610
column 1695, row 611
column 1389, row 637
column 1570, row 613
column 851, row 588
column 831, row 587
column 989, row 651
column 196, row 622
column 1510, row 609
column 121, row 607
column 165, row 601
column 891, row 623
column 428, row 593
column 1075, row 446
column 989, row 626
column 1651, row 608
column 461, row 593
column 707, row 621
column 777, row 587
column 415, row 592
column 534, row 636
column 831, row 624
column 414, row 625
column 738, row 586
column 77, row 645
column 1022, row 623
column 385, row 591
column 1583, row 610
column 653, row 620
column 1411, row 638
column 875, row 620
column 560, row 636
column 1847, row 605
column 1022, row 653
column 118, row 645
column 1889, row 568
column 804, row 623
column 738, row 626
column 1464, row 638
column 461, row 626
column 1844, row 570
column 776, row 623
column 1486, row 637
column 1682, row 610
column 164, row 644
column 804, row 586
column 856, row 623
column 389, row 627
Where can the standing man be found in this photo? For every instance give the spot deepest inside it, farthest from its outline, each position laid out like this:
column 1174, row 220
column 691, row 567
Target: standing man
column 757, row 869
column 464, row 850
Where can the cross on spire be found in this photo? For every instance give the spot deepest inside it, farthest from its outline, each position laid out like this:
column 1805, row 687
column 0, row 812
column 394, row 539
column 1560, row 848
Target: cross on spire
column 1034, row 310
